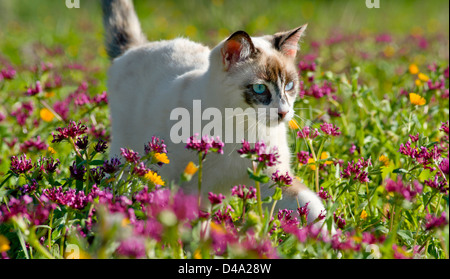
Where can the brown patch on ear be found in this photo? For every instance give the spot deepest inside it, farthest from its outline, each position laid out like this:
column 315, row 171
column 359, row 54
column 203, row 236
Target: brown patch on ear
column 238, row 47
column 287, row 42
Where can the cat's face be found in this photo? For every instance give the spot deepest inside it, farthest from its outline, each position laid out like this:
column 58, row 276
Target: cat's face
column 265, row 72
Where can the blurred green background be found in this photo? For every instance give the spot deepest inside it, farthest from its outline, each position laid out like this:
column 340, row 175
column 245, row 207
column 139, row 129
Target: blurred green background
column 24, row 22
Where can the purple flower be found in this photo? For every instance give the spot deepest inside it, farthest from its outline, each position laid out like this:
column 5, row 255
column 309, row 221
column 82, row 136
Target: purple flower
column 383, row 38
column 282, row 180
column 435, row 222
column 8, row 73
column 224, row 217
column 286, row 219
column 260, row 153
column 215, row 199
column 398, row 187
column 344, row 244
column 155, row 145
column 414, row 138
column 324, row 194
column 444, row 126
column 306, row 67
column 306, row 132
column 50, row 164
column 100, row 98
column 303, row 211
column 111, row 166
column 82, row 143
column 27, row 188
column 77, row 172
column 71, row 131
column 437, row 183
column 303, row 157
column 130, row 155
column 330, row 129
column 184, row 206
column 97, row 174
column 140, row 169
column 352, row 148
column 21, row 164
column 339, row 220
column 23, row 206
column 31, row 91
column 101, row 146
column 62, row 109
column 356, row 170
column 262, row 248
column 23, row 112
column 37, row 144
column 205, row 144
column 444, row 166
column 242, row 192
column 149, row 228
column 132, row 247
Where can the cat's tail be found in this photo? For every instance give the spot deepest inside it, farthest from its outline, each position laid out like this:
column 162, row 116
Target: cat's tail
column 122, row 27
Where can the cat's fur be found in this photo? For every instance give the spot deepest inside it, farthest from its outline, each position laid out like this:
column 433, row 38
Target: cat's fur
column 147, row 80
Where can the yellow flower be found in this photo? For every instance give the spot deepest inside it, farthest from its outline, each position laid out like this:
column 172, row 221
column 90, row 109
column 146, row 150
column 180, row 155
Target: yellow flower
column 217, row 228
column 413, row 69
column 385, row 160
column 4, row 244
column 418, row 82
column 51, row 150
column 416, row 99
column 49, row 94
column 423, row 77
column 191, row 169
column 109, row 180
column 197, row 254
column 46, row 115
column 324, row 155
column 293, row 124
column 389, row 51
column 154, row 178
column 363, row 215
column 125, row 222
column 162, row 158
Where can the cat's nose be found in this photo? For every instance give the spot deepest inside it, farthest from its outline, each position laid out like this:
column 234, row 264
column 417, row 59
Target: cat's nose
column 281, row 115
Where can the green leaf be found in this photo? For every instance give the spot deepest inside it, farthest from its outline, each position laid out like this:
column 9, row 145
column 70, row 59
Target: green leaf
column 96, row 163
column 425, row 175
column 260, row 178
column 278, row 194
column 405, row 235
column 400, row 170
column 267, row 199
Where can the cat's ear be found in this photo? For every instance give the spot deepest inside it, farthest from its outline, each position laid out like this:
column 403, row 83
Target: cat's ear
column 238, row 47
column 287, row 42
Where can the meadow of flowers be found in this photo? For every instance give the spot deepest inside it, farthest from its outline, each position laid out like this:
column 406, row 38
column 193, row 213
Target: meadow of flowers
column 370, row 136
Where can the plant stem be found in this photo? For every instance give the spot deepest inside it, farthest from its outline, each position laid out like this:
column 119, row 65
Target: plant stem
column 257, row 170
column 49, row 237
column 316, row 171
column 200, row 171
column 272, row 209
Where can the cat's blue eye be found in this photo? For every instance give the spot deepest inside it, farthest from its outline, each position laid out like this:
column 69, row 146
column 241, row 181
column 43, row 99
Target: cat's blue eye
column 289, row 86
column 259, row 88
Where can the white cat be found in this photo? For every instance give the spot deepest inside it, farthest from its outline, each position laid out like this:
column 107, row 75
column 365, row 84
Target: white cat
column 148, row 80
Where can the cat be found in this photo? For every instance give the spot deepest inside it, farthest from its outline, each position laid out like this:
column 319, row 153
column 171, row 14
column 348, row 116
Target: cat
column 148, row 80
